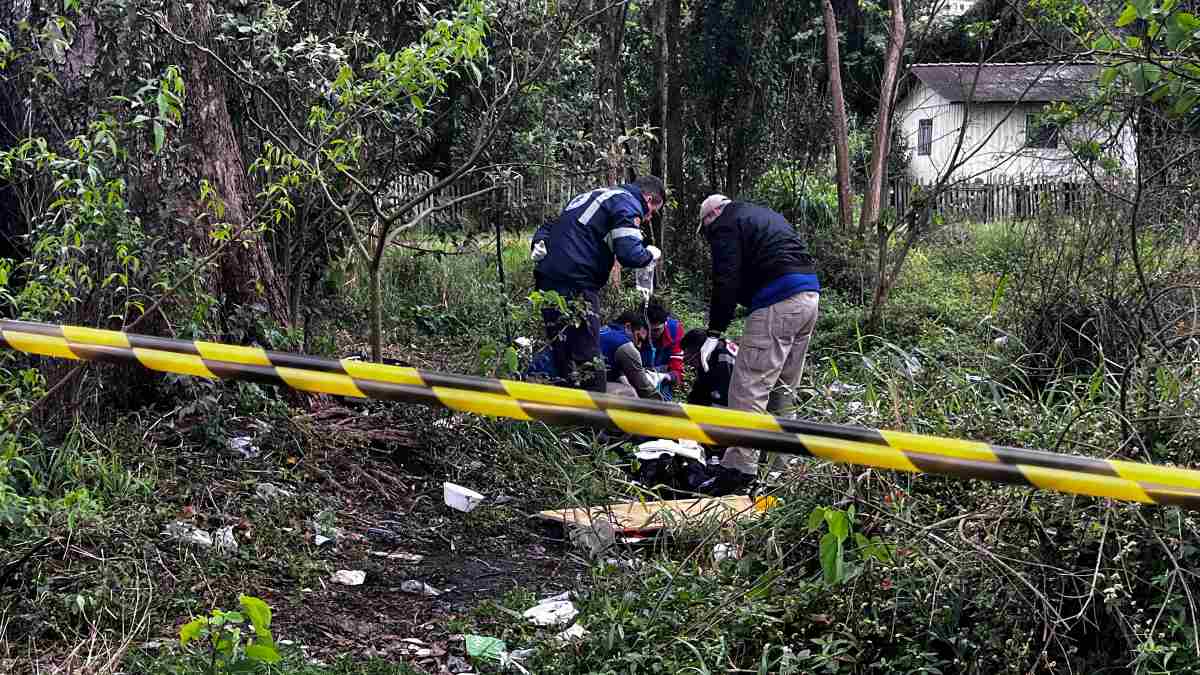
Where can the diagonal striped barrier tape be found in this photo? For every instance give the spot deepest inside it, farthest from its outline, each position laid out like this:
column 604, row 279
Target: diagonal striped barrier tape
column 1132, row 481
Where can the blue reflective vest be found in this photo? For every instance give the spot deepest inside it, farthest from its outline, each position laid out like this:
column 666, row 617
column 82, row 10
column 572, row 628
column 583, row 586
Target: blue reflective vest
column 594, row 229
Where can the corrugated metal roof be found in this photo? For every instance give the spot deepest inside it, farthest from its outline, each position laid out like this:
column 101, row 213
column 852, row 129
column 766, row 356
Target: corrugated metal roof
column 998, row 82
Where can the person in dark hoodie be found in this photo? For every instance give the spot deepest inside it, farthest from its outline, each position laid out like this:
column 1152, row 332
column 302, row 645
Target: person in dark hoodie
column 759, row 261
column 574, row 255
column 711, row 386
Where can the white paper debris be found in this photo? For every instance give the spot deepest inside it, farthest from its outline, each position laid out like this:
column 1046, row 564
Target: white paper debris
column 349, row 577
column 575, row 632
column 225, row 541
column 552, row 613
column 419, row 588
column 188, row 534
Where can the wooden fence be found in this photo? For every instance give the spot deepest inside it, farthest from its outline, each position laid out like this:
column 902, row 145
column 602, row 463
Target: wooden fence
column 527, row 201
column 1005, row 200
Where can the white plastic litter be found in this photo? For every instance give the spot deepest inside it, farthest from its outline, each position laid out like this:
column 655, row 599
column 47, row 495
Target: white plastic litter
column 243, row 445
column 399, row 556
column 843, row 389
column 722, row 552
column 522, row 654
column 575, row 632
column 188, row 534
column 269, row 491
column 225, row 541
column 419, row 588
column 523, row 342
column 683, row 448
column 552, row 613
column 461, row 498
column 349, row 577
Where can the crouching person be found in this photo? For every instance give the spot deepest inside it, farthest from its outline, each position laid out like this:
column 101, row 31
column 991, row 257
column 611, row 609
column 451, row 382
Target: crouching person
column 620, row 343
column 663, row 352
column 711, row 386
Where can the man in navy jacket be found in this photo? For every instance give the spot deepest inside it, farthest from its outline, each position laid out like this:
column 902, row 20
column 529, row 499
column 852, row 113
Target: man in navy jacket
column 574, row 256
column 759, row 261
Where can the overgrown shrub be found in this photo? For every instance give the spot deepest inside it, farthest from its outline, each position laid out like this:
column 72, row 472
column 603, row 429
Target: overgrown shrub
column 807, row 200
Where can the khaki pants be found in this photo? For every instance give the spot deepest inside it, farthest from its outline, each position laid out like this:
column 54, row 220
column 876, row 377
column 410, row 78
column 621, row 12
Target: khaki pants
column 769, row 364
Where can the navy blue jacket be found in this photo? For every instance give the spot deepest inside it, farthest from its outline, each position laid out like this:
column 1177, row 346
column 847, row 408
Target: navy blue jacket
column 595, row 228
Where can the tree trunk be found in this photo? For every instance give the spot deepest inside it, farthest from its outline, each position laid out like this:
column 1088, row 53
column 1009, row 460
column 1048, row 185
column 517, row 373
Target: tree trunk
column 658, row 108
column 883, row 132
column 246, row 275
column 376, row 314
column 747, row 107
column 674, row 106
column 841, row 136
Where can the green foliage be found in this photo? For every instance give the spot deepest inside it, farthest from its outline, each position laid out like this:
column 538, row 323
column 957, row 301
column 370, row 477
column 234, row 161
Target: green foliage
column 221, row 640
column 1155, row 54
column 807, row 200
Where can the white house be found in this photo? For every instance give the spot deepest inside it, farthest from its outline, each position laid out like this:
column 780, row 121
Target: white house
column 1007, row 136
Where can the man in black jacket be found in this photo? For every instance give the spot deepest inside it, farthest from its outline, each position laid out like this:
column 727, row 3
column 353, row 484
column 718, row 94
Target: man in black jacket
column 712, row 379
column 759, row 261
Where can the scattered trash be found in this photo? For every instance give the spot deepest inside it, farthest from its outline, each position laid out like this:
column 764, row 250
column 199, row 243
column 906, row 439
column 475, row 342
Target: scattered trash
column 485, row 647
column 243, row 445
column 722, row 552
column 1000, row 341
column 325, row 532
column 623, row 563
column 225, row 541
column 399, row 556
column 683, row 448
column 854, row 406
column 575, row 632
column 522, row 654
column 457, row 664
column 153, row 645
column 268, row 491
column 596, row 538
column 552, row 612
column 842, row 389
column 188, row 534
column 461, row 498
column 419, row 588
column 349, row 577
column 523, row 342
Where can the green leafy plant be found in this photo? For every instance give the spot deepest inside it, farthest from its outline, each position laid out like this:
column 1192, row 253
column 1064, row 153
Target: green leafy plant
column 225, row 647
column 839, row 524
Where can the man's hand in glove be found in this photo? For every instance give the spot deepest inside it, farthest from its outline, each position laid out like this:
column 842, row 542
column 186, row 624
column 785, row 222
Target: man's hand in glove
column 539, row 250
column 657, row 378
column 706, row 349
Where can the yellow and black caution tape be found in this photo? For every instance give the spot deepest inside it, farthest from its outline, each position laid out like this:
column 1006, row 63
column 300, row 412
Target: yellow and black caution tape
column 1130, row 481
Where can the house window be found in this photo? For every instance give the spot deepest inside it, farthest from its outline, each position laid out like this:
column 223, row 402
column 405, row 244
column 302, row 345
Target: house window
column 924, row 137
column 1040, row 133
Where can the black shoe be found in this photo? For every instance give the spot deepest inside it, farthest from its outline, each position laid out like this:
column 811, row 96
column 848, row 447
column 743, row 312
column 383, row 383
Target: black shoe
column 726, row 482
